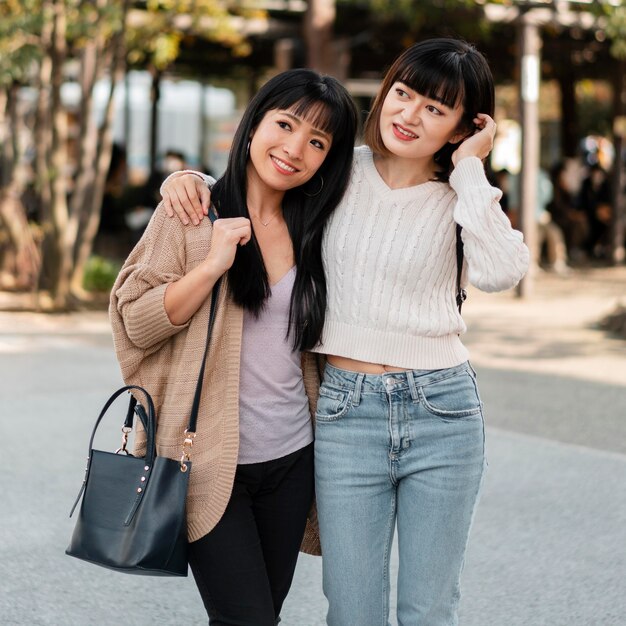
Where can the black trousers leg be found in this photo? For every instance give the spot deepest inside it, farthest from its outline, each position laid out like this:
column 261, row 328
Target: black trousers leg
column 245, row 565
column 281, row 511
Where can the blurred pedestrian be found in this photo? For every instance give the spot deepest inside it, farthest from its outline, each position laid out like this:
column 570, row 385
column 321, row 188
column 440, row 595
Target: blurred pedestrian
column 565, row 213
column 551, row 251
column 595, row 202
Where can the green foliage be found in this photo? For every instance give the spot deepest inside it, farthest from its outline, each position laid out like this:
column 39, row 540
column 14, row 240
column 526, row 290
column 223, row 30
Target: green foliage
column 409, row 8
column 155, row 35
column 20, row 27
column 464, row 17
column 100, row 274
column 21, row 23
column 454, row 13
column 616, row 30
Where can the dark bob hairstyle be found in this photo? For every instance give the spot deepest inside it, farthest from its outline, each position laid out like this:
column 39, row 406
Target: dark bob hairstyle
column 325, row 103
column 449, row 70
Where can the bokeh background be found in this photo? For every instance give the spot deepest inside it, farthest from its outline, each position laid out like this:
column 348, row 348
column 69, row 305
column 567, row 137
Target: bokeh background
column 101, row 99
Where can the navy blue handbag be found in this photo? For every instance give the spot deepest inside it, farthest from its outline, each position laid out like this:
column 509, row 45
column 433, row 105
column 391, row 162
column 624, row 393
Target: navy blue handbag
column 132, row 516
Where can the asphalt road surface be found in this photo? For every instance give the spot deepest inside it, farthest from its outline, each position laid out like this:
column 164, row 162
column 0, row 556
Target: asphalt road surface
column 549, row 539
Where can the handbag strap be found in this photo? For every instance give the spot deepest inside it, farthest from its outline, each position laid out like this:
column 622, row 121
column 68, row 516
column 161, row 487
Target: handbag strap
column 461, row 294
column 193, row 418
column 190, row 431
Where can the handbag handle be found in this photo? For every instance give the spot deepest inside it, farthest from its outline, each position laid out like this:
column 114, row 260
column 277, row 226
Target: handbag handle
column 147, row 419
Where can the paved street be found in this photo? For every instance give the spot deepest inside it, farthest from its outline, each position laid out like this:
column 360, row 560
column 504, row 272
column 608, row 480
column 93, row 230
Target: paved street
column 549, row 541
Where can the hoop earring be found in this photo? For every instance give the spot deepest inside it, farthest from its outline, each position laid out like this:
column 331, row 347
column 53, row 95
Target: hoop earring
column 248, row 148
column 317, row 193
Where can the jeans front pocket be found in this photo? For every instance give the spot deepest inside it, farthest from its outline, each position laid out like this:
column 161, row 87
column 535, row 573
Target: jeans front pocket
column 332, row 403
column 452, row 398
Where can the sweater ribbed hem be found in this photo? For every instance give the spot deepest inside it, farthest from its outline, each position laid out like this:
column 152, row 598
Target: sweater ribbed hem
column 397, row 350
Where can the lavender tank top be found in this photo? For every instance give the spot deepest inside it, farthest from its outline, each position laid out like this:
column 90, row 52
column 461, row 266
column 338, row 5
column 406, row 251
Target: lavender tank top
column 274, row 418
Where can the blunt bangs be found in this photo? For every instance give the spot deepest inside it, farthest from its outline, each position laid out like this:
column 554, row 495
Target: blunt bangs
column 439, row 77
column 315, row 103
column 318, row 113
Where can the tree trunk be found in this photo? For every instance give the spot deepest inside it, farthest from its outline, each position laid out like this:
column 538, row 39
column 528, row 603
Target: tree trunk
column 84, row 245
column 43, row 140
column 91, row 65
column 6, row 142
column 63, row 246
column 318, row 34
column 569, row 117
column 23, row 259
column 618, row 183
column 87, row 139
column 155, row 93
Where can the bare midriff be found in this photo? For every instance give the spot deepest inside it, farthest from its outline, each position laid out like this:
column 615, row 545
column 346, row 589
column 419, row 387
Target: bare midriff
column 362, row 367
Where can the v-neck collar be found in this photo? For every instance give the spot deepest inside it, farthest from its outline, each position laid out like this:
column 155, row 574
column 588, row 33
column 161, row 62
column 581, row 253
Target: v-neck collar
column 382, row 188
column 280, row 280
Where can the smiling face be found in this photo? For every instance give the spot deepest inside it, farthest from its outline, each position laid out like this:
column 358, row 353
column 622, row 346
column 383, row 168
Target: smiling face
column 414, row 126
column 286, row 150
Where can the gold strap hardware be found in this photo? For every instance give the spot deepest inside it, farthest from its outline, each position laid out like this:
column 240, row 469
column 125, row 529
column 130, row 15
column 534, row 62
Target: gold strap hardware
column 187, row 445
column 125, row 431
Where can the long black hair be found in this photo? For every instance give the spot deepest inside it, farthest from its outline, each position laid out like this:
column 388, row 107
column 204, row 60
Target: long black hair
column 325, row 103
column 449, row 70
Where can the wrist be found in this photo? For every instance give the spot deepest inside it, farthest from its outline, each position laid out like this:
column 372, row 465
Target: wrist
column 212, row 271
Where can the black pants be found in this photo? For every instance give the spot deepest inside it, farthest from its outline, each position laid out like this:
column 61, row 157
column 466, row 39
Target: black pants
column 245, row 565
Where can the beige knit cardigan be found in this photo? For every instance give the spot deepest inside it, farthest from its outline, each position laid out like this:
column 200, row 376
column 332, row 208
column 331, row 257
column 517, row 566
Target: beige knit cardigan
column 165, row 359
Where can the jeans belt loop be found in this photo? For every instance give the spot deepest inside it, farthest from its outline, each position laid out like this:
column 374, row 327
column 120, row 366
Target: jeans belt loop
column 412, row 386
column 358, row 385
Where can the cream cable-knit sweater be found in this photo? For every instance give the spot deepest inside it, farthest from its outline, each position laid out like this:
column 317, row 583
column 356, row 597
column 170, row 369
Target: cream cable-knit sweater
column 390, row 261
column 165, row 359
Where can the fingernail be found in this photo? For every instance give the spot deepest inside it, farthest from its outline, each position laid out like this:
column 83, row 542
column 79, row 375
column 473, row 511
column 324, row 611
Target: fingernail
column 185, row 222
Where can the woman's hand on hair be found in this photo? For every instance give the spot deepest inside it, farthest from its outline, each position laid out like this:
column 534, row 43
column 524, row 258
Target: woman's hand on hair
column 187, row 197
column 228, row 234
column 480, row 142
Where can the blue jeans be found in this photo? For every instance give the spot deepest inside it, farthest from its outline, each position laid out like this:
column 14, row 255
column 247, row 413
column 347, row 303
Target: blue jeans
column 399, row 448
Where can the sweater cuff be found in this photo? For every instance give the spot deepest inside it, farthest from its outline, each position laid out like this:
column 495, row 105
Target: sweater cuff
column 147, row 322
column 469, row 172
column 209, row 181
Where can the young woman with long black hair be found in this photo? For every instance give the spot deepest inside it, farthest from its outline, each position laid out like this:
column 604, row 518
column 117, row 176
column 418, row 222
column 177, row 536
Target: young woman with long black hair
column 251, row 483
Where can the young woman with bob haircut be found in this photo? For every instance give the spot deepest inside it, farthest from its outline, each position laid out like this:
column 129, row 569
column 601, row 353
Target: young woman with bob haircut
column 399, row 438
column 251, row 483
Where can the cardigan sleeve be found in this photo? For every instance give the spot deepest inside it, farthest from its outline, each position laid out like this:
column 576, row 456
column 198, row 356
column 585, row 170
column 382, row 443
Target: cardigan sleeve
column 496, row 256
column 137, row 308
